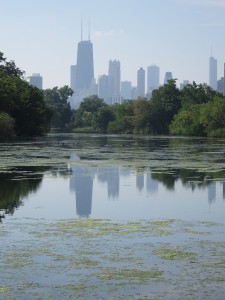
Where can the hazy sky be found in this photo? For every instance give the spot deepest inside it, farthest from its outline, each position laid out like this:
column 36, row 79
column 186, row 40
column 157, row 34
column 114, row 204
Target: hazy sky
column 41, row 36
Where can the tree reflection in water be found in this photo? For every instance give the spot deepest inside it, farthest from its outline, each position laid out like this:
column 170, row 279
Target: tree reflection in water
column 16, row 184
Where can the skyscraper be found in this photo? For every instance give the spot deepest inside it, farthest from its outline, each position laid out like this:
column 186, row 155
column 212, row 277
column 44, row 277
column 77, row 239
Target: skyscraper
column 85, row 65
column 220, row 86
column 73, row 75
column 82, row 79
column 224, row 79
column 184, row 83
column 36, row 80
column 213, row 73
column 168, row 76
column 114, row 81
column 141, row 82
column 103, row 84
column 152, row 78
column 126, row 90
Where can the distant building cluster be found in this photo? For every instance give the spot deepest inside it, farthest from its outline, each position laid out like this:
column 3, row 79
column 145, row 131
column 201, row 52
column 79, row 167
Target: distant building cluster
column 110, row 87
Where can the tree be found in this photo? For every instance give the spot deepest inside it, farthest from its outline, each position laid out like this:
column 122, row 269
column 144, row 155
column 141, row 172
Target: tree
column 196, row 94
column 104, row 116
column 57, row 100
column 91, row 104
column 6, row 126
column 187, row 122
column 21, row 102
column 85, row 115
column 123, row 122
column 212, row 117
column 165, row 103
column 141, row 115
column 9, row 68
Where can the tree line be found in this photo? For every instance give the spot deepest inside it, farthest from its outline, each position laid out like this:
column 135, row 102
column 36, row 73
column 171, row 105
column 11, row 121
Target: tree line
column 26, row 111
column 196, row 110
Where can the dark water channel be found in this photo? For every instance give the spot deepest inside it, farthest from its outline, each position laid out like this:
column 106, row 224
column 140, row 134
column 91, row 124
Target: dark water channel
column 112, row 217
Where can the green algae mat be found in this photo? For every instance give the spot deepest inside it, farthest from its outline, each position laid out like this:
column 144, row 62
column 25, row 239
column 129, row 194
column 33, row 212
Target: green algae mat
column 102, row 259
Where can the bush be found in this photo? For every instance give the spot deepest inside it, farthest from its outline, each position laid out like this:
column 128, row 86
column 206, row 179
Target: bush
column 6, row 126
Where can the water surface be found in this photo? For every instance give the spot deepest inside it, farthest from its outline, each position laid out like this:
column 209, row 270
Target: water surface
column 112, row 217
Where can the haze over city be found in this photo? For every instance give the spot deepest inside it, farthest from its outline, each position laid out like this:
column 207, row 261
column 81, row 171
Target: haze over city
column 177, row 35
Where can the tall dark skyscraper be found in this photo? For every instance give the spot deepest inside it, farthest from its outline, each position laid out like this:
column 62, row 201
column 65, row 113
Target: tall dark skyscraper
column 85, row 65
column 82, row 79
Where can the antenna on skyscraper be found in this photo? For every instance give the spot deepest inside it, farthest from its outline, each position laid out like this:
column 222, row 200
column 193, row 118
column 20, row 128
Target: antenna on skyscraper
column 89, row 36
column 211, row 51
column 81, row 28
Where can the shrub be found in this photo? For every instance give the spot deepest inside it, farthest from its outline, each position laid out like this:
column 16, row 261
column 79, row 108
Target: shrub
column 6, row 126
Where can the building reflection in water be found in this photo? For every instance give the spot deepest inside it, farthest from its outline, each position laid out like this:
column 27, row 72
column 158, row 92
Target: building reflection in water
column 212, row 192
column 140, row 181
column 223, row 190
column 151, row 184
column 82, row 183
column 82, row 180
column 110, row 176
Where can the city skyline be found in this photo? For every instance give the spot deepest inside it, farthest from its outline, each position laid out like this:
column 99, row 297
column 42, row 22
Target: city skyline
column 176, row 35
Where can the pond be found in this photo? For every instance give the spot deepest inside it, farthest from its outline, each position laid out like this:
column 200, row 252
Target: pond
column 112, row 217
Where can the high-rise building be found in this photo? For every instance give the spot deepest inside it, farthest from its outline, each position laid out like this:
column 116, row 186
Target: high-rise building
column 213, row 73
column 82, row 79
column 224, row 79
column 152, row 78
column 103, row 84
column 114, row 81
column 221, row 86
column 85, row 65
column 36, row 80
column 73, row 75
column 141, row 82
column 168, row 76
column 126, row 90
column 183, row 84
column 134, row 93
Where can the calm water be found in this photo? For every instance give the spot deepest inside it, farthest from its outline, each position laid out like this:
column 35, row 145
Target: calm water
column 113, row 177
column 112, row 217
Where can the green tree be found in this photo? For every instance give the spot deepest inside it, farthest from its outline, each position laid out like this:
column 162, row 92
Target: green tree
column 91, row 104
column 196, row 94
column 123, row 122
column 86, row 114
column 21, row 101
column 165, row 103
column 212, row 117
column 9, row 68
column 187, row 122
column 141, row 110
column 104, row 115
column 57, row 100
column 6, row 126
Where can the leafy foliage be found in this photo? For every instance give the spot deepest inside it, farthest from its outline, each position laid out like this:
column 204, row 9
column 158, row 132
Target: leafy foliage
column 187, row 122
column 21, row 102
column 6, row 126
column 87, row 113
column 61, row 113
column 165, row 103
